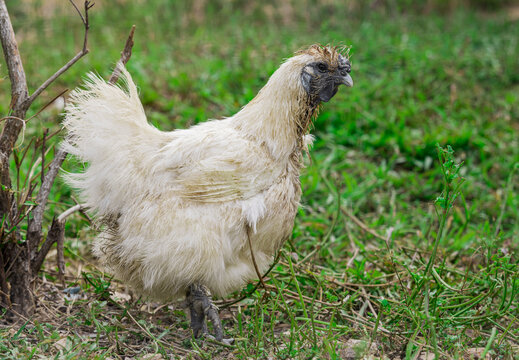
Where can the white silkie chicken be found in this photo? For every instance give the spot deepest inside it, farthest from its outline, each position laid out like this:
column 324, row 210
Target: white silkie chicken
column 180, row 207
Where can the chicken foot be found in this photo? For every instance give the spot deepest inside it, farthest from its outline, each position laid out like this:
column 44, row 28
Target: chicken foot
column 201, row 307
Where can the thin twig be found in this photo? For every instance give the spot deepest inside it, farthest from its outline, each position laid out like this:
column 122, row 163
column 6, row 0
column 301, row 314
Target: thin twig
column 362, row 225
column 71, row 62
column 82, row 210
column 60, row 243
column 346, row 284
column 55, row 232
column 260, row 277
column 70, row 211
column 43, row 143
column 9, row 117
column 249, row 293
column 46, row 106
column 3, row 282
column 390, row 252
column 159, row 342
column 19, row 94
column 35, row 225
column 125, row 56
column 78, row 11
column 88, row 6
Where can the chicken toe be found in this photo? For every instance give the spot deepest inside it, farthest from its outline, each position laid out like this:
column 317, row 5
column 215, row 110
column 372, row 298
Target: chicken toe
column 200, row 308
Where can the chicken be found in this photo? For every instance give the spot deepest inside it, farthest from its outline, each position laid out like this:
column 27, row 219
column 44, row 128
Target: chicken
column 180, row 208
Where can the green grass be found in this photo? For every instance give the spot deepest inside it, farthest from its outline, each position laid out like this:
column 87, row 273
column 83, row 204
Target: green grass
column 420, row 271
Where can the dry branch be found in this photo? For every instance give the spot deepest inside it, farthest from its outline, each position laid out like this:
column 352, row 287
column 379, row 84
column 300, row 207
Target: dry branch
column 19, row 93
column 34, row 231
column 55, row 232
column 125, row 56
column 3, row 282
column 12, row 58
column 88, row 5
column 70, row 211
column 260, row 277
column 360, row 224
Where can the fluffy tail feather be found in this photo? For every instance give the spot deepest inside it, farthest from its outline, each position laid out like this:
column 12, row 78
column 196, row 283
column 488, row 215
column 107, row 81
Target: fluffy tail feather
column 100, row 115
column 107, row 128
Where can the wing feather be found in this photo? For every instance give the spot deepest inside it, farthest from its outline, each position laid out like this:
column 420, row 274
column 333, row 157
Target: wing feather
column 217, row 164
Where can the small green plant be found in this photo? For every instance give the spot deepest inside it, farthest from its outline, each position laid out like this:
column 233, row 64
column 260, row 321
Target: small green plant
column 437, row 305
column 100, row 284
column 452, row 182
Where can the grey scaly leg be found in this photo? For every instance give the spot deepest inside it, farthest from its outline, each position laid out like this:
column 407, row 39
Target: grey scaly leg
column 200, row 307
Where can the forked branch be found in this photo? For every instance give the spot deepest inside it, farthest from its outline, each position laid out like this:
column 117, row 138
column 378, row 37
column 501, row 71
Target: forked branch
column 87, row 6
column 34, row 231
column 12, row 56
column 56, row 233
column 18, row 92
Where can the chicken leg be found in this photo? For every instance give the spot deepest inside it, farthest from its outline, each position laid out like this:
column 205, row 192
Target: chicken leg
column 200, row 308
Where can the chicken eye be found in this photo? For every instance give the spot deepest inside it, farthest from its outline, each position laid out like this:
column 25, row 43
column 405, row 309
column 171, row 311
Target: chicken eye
column 322, row 67
column 345, row 70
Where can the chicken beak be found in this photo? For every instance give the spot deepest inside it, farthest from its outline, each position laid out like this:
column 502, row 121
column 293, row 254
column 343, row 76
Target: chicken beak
column 346, row 80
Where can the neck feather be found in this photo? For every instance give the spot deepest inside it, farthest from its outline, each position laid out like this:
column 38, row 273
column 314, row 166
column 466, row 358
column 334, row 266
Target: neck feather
column 280, row 115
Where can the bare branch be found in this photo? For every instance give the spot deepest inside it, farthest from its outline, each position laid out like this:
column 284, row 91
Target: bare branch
column 57, row 74
column 71, row 62
column 260, row 277
column 125, row 56
column 78, row 11
column 19, row 90
column 360, row 224
column 60, row 243
column 88, row 6
column 56, row 231
column 35, row 224
column 12, row 57
column 46, row 105
column 3, row 282
column 70, row 211
column 43, row 148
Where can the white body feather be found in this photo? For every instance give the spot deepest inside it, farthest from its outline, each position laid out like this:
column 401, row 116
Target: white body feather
column 180, row 204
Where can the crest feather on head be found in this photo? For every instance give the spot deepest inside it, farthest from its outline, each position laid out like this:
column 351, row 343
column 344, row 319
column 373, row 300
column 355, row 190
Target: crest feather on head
column 329, row 54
